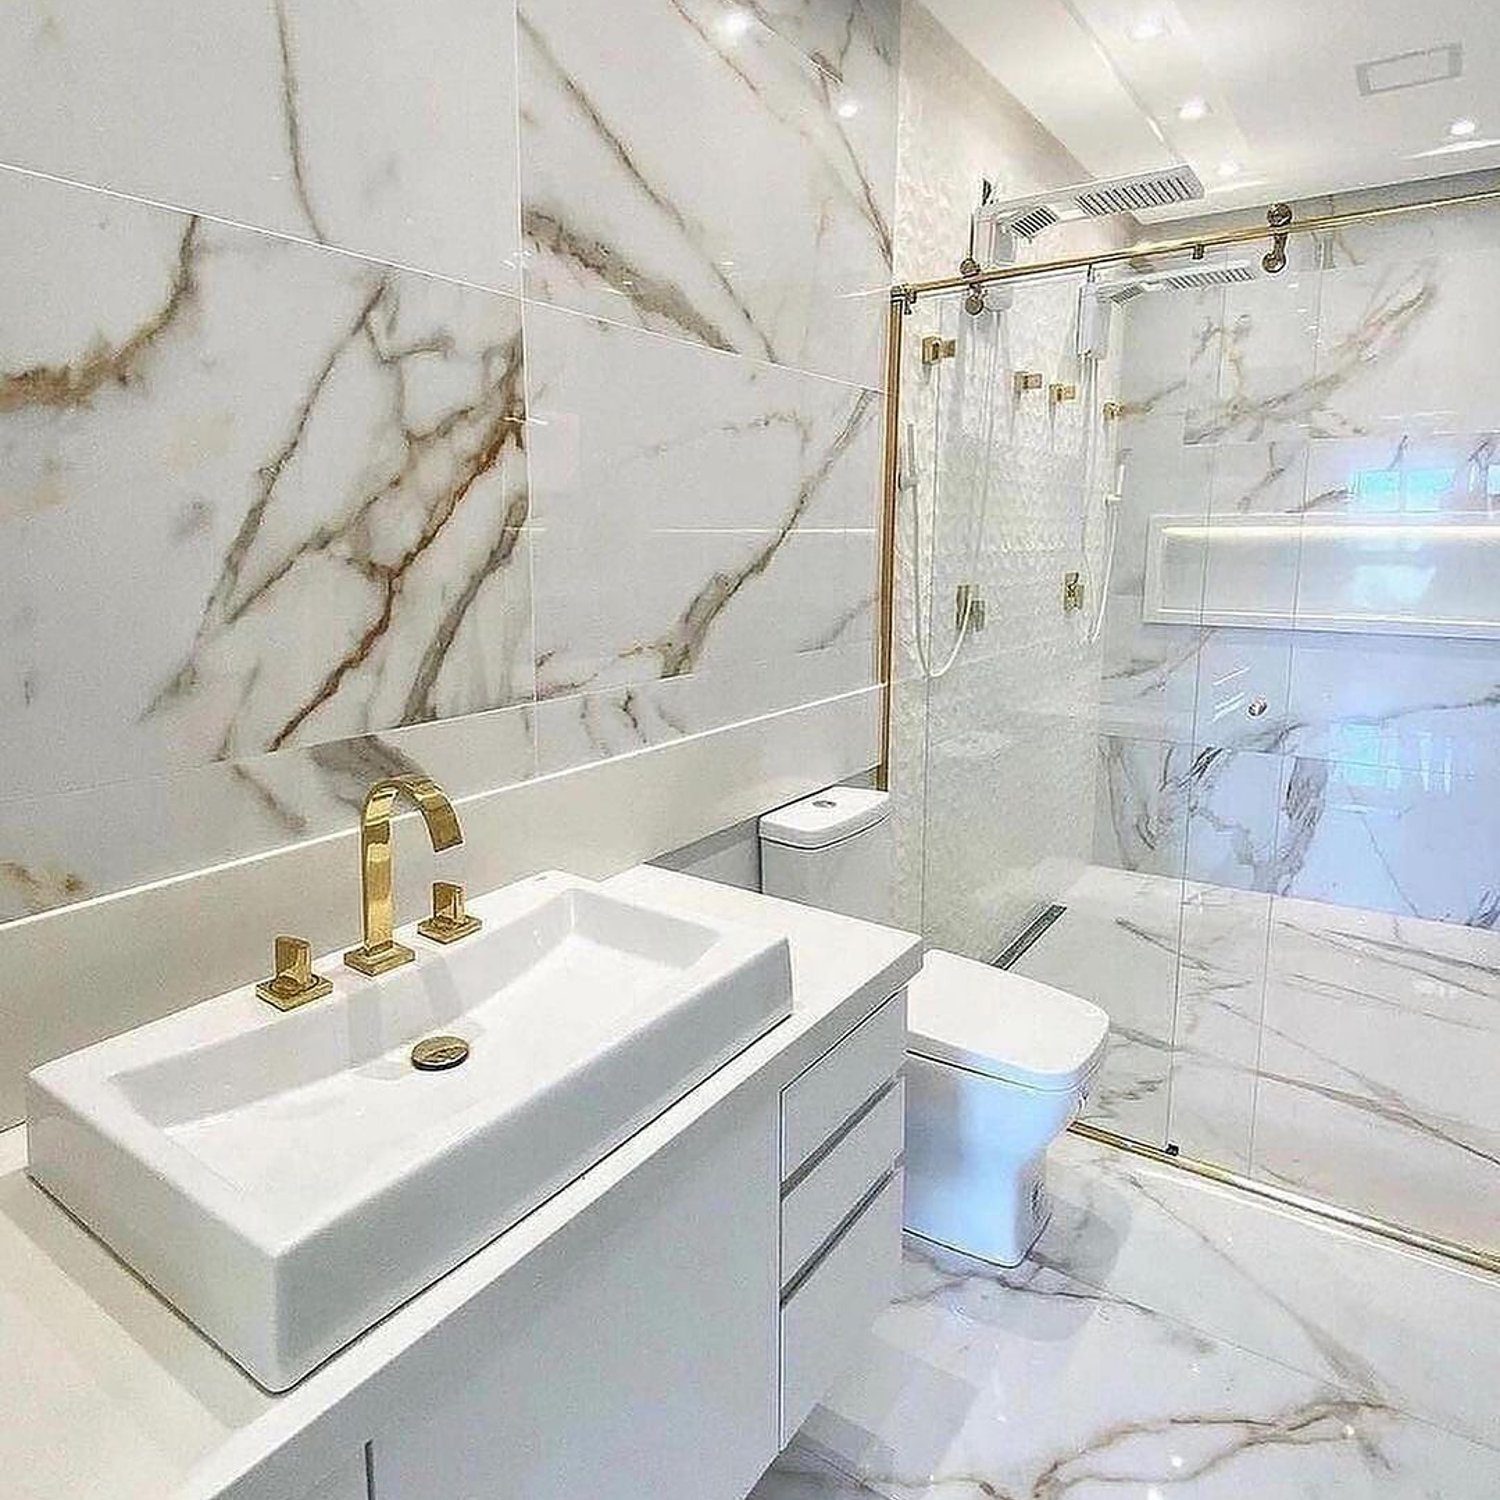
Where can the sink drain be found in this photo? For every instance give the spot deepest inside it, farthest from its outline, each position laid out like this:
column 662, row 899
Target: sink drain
column 435, row 1054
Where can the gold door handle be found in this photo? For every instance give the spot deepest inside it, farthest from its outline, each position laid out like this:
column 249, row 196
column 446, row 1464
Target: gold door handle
column 294, row 982
column 450, row 920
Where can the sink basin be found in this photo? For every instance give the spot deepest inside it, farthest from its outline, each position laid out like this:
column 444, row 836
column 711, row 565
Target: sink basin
column 285, row 1180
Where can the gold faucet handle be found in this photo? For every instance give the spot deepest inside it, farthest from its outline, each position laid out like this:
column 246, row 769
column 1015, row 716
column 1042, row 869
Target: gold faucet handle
column 449, row 921
column 294, row 983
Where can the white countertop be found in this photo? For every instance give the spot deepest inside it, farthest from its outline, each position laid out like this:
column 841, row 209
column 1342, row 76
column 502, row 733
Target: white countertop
column 109, row 1392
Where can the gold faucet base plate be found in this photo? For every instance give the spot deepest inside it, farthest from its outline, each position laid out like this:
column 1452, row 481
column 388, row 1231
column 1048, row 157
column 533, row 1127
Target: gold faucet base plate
column 379, row 960
column 447, row 929
column 287, row 994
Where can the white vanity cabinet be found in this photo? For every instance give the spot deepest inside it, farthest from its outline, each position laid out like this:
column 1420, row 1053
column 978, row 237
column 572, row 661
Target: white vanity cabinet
column 842, row 1131
column 671, row 1356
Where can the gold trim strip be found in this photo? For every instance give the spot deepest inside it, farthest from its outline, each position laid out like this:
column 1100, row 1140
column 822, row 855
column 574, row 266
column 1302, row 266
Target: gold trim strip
column 905, row 294
column 885, row 648
column 1414, row 1239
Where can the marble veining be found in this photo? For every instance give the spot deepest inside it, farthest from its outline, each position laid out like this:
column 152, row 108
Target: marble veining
column 1165, row 1339
column 294, row 494
column 710, row 255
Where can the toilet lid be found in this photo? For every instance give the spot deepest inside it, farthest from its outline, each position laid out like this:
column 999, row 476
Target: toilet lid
column 1002, row 1025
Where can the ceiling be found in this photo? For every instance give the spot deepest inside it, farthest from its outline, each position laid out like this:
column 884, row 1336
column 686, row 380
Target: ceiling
column 1286, row 111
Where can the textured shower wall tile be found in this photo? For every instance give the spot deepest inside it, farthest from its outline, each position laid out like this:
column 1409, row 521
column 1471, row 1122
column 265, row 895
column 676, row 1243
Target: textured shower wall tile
column 68, row 846
column 736, row 201
column 719, row 509
column 378, row 126
column 256, row 495
column 1382, row 1044
column 958, row 127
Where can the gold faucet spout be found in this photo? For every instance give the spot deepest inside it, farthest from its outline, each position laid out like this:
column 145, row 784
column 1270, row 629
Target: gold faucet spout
column 380, row 951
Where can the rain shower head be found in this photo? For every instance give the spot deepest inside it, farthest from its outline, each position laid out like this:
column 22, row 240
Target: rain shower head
column 1098, row 300
column 1030, row 216
column 1184, row 279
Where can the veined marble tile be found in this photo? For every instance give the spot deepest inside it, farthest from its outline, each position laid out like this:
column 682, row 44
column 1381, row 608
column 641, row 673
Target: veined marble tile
column 256, row 495
column 1254, row 374
column 1403, row 703
column 977, row 1382
column 771, row 234
column 1415, row 842
column 373, row 125
column 67, row 846
column 1401, row 1329
column 721, row 509
column 1403, row 346
column 588, row 727
column 1140, row 821
column 1382, row 1046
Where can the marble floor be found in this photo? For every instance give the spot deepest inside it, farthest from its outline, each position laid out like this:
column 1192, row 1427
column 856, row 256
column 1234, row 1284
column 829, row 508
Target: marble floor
column 1169, row 1338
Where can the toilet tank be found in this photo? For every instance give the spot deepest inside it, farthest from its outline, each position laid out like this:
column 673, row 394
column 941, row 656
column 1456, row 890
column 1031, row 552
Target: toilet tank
column 833, row 850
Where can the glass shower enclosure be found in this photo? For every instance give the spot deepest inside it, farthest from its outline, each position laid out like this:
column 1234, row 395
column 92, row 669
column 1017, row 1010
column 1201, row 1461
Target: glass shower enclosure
column 1196, row 704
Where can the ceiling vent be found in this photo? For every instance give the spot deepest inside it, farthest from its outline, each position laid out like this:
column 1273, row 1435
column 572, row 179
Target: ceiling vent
column 1411, row 70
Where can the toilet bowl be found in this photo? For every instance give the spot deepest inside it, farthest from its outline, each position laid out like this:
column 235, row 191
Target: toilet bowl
column 997, row 1064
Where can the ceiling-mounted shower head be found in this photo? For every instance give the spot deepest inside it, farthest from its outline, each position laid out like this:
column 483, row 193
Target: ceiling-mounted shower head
column 1030, row 216
column 1002, row 223
column 1183, row 279
column 1098, row 300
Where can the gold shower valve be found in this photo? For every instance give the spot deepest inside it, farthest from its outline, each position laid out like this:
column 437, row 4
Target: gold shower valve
column 1058, row 393
column 294, row 982
column 1028, row 380
column 935, row 350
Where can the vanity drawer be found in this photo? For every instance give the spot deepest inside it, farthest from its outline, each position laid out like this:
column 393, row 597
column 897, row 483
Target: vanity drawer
column 819, row 1101
column 825, row 1319
column 835, row 1182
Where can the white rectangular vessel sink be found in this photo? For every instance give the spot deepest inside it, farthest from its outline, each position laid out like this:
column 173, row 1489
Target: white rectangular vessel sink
column 285, row 1180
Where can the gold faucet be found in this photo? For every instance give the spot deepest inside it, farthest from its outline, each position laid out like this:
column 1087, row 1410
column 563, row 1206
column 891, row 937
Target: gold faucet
column 380, row 951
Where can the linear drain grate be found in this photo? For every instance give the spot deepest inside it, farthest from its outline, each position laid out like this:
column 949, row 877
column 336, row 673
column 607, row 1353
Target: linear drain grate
column 1017, row 949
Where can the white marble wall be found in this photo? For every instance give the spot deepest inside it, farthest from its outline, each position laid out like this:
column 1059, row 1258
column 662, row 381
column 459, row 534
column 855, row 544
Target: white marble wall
column 992, row 768
column 488, row 388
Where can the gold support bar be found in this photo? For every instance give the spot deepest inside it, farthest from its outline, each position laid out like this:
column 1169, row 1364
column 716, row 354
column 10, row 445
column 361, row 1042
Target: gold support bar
column 885, row 659
column 1413, row 1239
column 1197, row 243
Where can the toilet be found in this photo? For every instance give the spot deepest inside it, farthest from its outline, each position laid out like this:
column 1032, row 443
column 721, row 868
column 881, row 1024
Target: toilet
column 997, row 1065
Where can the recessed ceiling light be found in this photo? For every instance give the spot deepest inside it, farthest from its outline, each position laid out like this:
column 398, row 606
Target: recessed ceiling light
column 1460, row 128
column 1148, row 29
column 1193, row 109
column 1229, row 169
column 848, row 108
